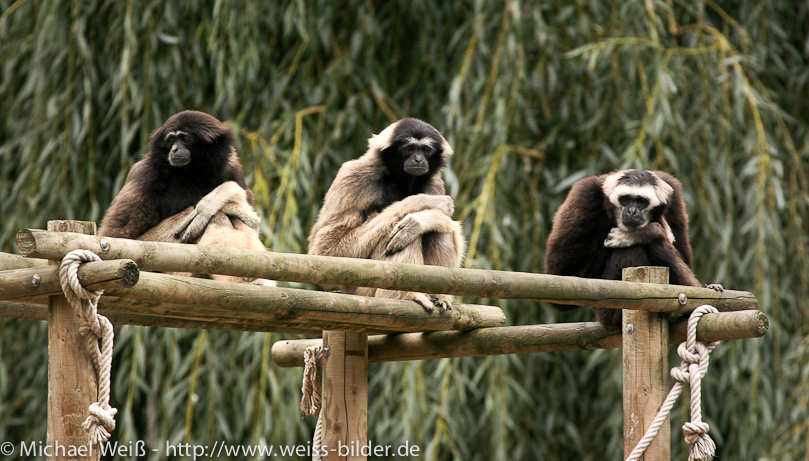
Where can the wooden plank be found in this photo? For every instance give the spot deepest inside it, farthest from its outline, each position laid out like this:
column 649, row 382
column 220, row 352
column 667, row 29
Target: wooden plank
column 176, row 257
column 645, row 369
column 525, row 339
column 345, row 396
column 72, row 383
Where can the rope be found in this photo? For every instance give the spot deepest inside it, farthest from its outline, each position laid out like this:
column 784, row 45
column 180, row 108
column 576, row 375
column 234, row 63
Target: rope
column 691, row 370
column 85, row 304
column 311, row 394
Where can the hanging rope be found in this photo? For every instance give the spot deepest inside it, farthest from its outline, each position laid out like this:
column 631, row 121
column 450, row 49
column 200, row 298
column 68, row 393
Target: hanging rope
column 311, row 395
column 94, row 327
column 691, row 370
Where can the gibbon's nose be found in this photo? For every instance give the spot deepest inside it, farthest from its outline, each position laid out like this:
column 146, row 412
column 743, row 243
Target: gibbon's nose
column 631, row 217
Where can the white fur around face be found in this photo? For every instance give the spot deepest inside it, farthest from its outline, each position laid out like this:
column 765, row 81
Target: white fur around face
column 420, row 142
column 657, row 194
column 379, row 142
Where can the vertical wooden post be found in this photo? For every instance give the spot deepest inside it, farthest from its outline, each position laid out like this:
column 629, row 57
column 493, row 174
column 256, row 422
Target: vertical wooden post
column 345, row 396
column 646, row 369
column 72, row 383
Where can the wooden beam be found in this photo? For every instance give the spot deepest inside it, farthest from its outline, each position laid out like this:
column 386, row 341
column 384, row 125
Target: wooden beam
column 97, row 275
column 176, row 257
column 72, row 383
column 32, row 311
column 345, row 396
column 524, row 339
column 645, row 369
column 305, row 308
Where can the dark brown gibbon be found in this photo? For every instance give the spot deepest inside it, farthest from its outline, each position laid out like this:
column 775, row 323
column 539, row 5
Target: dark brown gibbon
column 390, row 205
column 188, row 188
column 624, row 219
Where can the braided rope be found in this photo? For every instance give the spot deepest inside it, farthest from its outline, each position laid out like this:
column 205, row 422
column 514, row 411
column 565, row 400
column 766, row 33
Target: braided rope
column 691, row 371
column 85, row 304
column 311, row 396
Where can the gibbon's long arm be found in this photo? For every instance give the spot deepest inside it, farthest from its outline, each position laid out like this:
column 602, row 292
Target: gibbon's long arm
column 676, row 217
column 580, row 226
column 131, row 212
column 417, row 224
column 350, row 223
column 356, row 239
column 229, row 198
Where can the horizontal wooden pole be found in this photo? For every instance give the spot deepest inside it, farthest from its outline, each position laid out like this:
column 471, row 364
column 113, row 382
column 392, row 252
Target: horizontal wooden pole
column 175, row 257
column 97, row 275
column 118, row 310
column 306, row 308
column 12, row 261
column 524, row 339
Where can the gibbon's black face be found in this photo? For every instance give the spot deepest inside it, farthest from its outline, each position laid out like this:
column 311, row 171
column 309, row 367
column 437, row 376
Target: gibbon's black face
column 414, row 149
column 191, row 138
column 634, row 210
column 180, row 153
column 639, row 197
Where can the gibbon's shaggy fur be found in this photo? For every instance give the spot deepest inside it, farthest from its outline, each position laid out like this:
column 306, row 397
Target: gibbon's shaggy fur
column 390, row 205
column 624, row 219
column 188, row 188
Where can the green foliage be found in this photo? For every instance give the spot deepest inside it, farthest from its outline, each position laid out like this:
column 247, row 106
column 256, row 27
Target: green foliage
column 533, row 96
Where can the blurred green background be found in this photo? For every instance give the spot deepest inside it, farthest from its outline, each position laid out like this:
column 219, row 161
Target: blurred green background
column 532, row 95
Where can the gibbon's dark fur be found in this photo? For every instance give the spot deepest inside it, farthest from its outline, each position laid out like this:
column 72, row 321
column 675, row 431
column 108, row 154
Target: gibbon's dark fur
column 390, row 204
column 624, row 219
column 188, row 188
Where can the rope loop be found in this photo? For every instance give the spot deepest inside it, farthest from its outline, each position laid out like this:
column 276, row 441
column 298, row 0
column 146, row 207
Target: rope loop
column 101, row 420
column 695, row 360
column 311, row 395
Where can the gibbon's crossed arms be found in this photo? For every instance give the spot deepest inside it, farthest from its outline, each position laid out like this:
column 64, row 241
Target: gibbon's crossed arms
column 188, row 188
column 624, row 219
column 390, row 205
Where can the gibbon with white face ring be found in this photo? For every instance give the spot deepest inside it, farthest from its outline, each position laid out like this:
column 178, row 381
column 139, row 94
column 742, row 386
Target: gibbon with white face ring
column 390, row 205
column 624, row 219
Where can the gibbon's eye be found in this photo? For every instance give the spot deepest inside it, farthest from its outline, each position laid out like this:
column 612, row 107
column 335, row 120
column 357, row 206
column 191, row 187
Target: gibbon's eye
column 643, row 202
column 623, row 200
column 185, row 138
column 170, row 138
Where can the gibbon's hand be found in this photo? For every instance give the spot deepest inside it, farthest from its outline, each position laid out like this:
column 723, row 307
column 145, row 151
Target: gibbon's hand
column 192, row 227
column 415, row 225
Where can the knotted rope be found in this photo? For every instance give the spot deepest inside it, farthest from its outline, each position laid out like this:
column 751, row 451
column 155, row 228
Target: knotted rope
column 93, row 327
column 691, row 370
column 311, row 394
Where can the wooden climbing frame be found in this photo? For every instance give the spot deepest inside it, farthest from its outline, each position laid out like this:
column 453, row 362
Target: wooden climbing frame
column 354, row 328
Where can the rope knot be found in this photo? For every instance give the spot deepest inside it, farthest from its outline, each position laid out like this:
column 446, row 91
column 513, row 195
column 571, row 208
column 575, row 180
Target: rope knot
column 695, row 357
column 101, row 422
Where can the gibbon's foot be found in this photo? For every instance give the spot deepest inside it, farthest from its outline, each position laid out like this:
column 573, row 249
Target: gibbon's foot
column 423, row 300
column 714, row 287
column 442, row 302
column 264, row 282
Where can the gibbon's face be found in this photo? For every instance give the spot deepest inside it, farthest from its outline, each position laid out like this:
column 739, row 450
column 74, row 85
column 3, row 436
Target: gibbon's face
column 634, row 211
column 416, row 154
column 639, row 197
column 180, row 150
